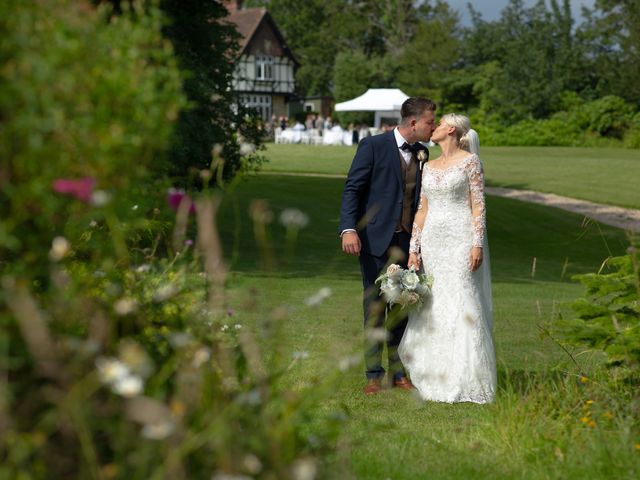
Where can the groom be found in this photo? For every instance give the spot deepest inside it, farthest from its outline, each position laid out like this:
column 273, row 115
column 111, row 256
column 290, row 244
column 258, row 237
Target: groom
column 379, row 202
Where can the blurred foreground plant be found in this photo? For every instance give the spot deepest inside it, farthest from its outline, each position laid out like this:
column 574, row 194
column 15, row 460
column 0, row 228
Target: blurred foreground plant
column 138, row 373
column 116, row 361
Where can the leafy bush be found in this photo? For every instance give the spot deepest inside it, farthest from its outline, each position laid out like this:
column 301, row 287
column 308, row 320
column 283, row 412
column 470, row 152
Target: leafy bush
column 553, row 131
column 602, row 122
column 608, row 116
column 608, row 317
column 632, row 136
column 81, row 98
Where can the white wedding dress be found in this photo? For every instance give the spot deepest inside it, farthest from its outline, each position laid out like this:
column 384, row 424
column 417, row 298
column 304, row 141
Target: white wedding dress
column 447, row 346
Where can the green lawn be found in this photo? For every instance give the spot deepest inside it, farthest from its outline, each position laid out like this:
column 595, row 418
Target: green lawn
column 533, row 430
column 602, row 175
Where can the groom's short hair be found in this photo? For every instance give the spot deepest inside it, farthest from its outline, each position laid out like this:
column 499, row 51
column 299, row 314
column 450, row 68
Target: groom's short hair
column 415, row 107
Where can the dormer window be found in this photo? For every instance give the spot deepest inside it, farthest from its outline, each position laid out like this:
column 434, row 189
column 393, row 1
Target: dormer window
column 264, row 67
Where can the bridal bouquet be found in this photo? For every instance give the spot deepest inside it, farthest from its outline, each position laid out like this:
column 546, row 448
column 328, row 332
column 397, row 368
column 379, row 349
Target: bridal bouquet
column 404, row 287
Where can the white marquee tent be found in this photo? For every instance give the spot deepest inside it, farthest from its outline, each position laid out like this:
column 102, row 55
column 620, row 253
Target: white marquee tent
column 385, row 102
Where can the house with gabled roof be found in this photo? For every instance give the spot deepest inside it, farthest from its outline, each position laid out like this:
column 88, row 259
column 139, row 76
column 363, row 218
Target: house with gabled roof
column 264, row 73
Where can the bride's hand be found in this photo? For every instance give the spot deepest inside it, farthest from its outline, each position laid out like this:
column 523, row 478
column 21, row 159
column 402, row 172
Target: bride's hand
column 414, row 261
column 475, row 258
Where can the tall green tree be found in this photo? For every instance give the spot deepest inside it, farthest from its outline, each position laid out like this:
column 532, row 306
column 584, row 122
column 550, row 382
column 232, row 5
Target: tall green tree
column 429, row 60
column 353, row 73
column 612, row 32
column 319, row 30
column 392, row 24
column 311, row 31
column 397, row 35
column 535, row 59
column 206, row 49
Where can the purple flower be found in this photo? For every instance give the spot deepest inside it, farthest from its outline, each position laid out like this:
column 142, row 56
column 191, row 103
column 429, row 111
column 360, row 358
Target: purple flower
column 80, row 188
column 175, row 197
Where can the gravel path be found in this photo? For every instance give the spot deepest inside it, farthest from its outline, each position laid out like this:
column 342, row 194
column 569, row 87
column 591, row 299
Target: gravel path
column 625, row 218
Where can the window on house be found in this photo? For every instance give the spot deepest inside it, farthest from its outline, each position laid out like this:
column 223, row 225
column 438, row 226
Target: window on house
column 260, row 103
column 264, row 67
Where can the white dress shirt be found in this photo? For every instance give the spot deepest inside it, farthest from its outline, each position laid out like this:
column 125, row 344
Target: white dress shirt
column 406, row 154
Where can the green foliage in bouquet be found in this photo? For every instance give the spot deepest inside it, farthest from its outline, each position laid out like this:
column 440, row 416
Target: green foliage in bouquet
column 608, row 316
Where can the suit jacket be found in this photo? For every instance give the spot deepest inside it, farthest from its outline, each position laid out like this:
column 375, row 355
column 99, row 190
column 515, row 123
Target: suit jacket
column 373, row 192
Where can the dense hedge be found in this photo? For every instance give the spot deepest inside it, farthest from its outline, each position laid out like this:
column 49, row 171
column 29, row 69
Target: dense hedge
column 607, row 121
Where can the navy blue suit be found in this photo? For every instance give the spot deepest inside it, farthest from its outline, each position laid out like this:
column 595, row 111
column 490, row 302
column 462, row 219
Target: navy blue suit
column 372, row 205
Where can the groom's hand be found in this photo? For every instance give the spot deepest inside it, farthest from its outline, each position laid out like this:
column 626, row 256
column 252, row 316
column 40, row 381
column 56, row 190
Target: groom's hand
column 351, row 243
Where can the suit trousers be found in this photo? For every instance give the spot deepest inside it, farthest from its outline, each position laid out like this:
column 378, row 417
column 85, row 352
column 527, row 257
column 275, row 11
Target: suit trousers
column 376, row 312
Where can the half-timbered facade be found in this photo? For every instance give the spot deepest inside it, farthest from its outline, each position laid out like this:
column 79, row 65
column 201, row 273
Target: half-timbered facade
column 264, row 74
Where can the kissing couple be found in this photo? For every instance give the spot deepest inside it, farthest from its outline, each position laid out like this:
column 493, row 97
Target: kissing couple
column 400, row 207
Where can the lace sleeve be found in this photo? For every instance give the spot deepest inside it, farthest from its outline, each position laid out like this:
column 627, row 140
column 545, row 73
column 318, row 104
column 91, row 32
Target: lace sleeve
column 476, row 193
column 416, row 232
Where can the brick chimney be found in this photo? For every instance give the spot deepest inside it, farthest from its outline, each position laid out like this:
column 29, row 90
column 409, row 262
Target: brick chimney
column 233, row 5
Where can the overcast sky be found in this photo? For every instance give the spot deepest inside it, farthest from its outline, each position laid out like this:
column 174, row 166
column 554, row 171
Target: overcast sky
column 490, row 9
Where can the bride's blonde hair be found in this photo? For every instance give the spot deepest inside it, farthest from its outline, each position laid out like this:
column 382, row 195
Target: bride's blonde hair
column 466, row 137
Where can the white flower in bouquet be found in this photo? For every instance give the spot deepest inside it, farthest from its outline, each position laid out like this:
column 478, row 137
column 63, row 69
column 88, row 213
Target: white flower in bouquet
column 410, row 280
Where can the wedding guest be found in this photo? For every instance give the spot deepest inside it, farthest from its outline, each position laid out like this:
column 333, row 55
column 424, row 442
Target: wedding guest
column 355, row 133
column 308, row 123
column 364, row 131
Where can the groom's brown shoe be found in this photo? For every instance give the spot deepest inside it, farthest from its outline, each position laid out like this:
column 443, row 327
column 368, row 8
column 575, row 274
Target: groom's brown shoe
column 403, row 382
column 373, row 386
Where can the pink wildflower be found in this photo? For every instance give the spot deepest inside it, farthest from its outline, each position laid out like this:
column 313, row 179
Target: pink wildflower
column 81, row 188
column 174, row 198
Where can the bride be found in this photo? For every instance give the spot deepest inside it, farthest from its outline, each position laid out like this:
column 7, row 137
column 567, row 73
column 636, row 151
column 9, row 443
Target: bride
column 447, row 345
